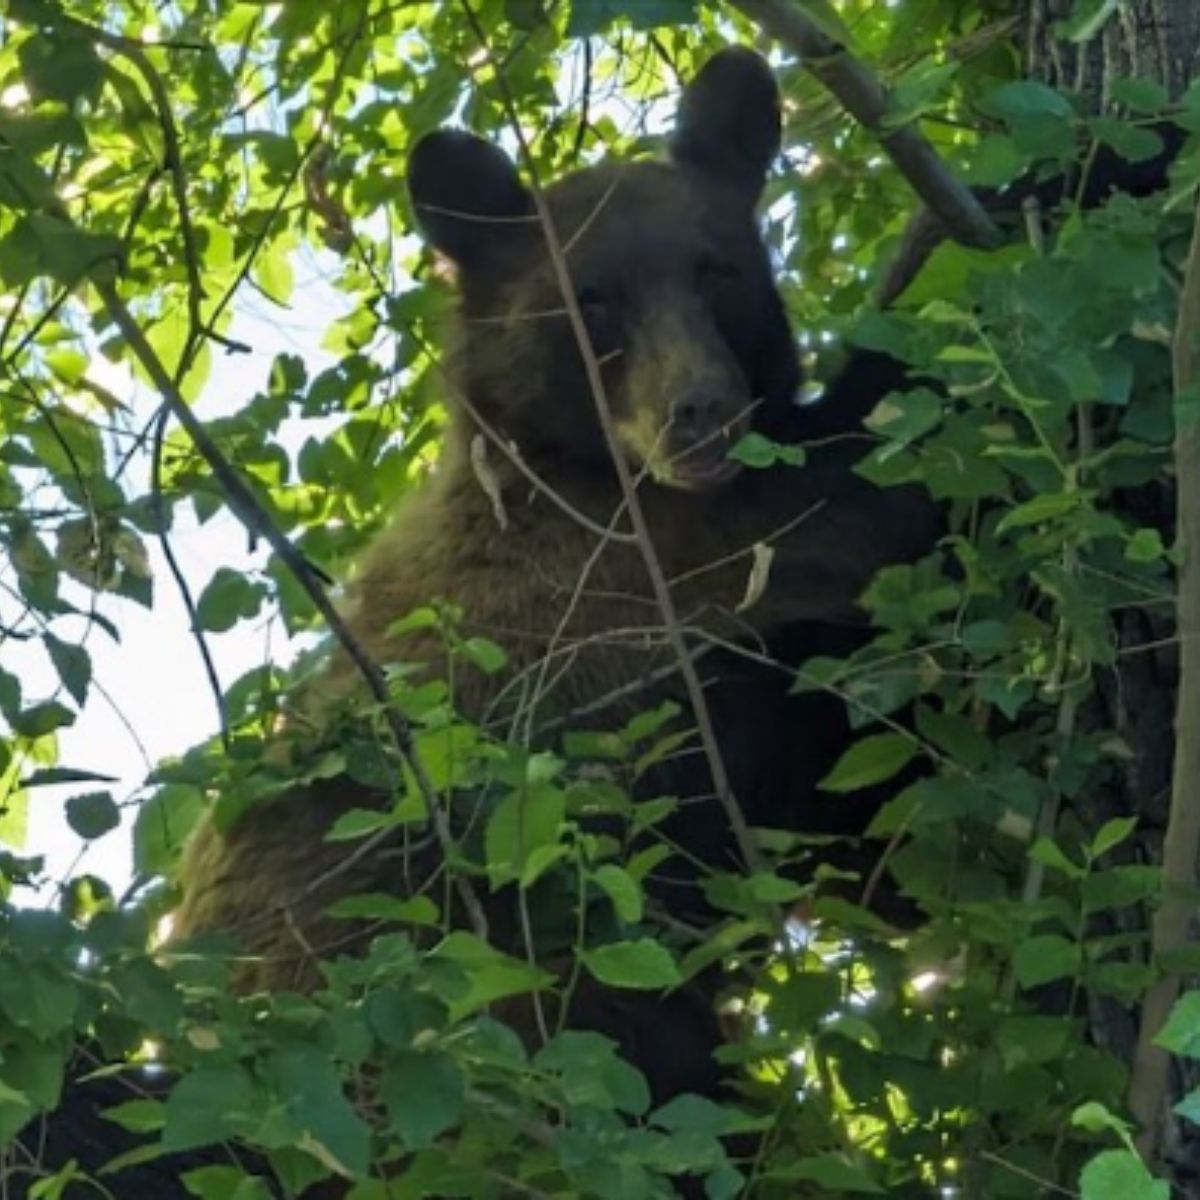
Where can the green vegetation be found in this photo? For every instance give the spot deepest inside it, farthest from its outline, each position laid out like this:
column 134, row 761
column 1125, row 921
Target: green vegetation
column 174, row 164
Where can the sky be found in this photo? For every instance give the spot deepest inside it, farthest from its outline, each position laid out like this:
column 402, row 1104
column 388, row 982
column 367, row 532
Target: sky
column 156, row 699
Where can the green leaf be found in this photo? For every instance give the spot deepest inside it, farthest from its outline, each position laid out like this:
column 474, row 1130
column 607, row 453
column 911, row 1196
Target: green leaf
column 1033, row 1040
column 148, row 994
column 833, row 1174
column 60, row 65
column 398, row 1015
column 1120, row 1175
column 378, row 906
column 303, row 1081
column 41, row 244
column 490, row 974
column 1044, row 958
column 42, row 719
column 902, row 417
column 591, row 1074
column 1129, row 141
column 590, row 17
column 224, row 1183
column 622, row 890
column 1141, row 95
column 869, row 761
column 73, row 664
column 917, row 90
column 37, row 998
column 1112, row 833
column 359, row 823
column 1025, row 98
column 52, row 776
column 24, row 186
column 138, row 1116
column 210, row 1104
column 93, row 814
column 1050, row 855
column 228, row 598
column 485, row 654
column 524, row 14
column 1119, row 887
column 1041, row 508
column 1145, row 546
column 163, row 824
column 1181, row 1032
column 1189, row 1106
column 1087, row 18
column 1096, row 1118
column 425, row 1095
column 695, row 1114
column 523, row 822
column 759, row 451
column 643, row 963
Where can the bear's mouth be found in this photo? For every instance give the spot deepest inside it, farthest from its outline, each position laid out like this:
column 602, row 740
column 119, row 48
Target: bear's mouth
column 706, row 463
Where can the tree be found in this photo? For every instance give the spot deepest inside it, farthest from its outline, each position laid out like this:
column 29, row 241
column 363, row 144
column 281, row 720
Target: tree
column 160, row 175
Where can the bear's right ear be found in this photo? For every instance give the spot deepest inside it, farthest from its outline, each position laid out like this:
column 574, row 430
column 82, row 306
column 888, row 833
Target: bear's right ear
column 729, row 124
column 467, row 197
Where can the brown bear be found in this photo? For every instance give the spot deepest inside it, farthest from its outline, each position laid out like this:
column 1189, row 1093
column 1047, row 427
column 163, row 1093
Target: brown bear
column 524, row 525
column 531, row 539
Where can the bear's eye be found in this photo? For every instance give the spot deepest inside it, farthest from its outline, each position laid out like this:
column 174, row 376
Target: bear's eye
column 598, row 316
column 714, row 273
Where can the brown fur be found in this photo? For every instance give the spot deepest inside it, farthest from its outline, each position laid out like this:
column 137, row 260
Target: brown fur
column 534, row 577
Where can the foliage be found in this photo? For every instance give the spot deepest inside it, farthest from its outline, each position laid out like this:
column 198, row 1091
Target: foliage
column 884, row 1055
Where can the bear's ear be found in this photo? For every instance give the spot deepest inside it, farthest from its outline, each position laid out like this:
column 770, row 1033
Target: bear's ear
column 729, row 120
column 467, row 197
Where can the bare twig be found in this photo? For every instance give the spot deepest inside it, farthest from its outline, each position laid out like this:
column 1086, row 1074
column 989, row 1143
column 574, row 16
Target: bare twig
column 172, row 163
column 257, row 520
column 181, row 583
column 1149, row 1080
column 865, row 98
column 658, row 582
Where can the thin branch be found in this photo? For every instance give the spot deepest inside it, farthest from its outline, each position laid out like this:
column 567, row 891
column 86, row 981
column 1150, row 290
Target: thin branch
column 181, row 583
column 658, row 582
column 865, row 98
column 258, row 521
column 172, row 163
column 1149, row 1080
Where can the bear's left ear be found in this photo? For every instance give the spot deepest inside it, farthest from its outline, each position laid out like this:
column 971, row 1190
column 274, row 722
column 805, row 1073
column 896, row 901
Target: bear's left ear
column 729, row 120
column 468, row 199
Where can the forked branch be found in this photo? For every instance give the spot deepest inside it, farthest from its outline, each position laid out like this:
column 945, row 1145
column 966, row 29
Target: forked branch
column 672, row 626
column 255, row 517
column 862, row 95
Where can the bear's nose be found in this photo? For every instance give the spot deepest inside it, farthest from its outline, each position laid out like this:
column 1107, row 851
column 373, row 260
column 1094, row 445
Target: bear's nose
column 697, row 411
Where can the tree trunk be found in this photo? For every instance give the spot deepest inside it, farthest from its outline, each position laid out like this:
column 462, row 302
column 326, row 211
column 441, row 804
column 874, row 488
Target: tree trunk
column 1141, row 39
column 1157, row 40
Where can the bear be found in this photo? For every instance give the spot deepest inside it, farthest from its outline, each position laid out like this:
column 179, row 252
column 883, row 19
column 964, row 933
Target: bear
column 523, row 528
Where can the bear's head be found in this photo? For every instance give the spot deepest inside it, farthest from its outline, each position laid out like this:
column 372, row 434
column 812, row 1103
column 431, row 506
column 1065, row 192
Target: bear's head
column 669, row 271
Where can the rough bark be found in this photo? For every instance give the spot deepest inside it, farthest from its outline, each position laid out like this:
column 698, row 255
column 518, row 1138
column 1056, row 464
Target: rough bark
column 1142, row 39
column 1157, row 40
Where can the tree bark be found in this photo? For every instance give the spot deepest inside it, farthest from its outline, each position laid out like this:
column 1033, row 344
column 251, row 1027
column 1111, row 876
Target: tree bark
column 1141, row 39
column 1157, row 40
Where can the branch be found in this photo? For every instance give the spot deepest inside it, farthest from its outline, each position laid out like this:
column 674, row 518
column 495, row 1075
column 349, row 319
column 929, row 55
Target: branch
column 173, row 164
column 866, row 99
column 181, row 583
column 673, row 627
column 1149, row 1081
column 258, row 521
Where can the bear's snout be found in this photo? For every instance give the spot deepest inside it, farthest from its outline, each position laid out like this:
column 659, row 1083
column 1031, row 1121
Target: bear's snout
column 702, row 424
